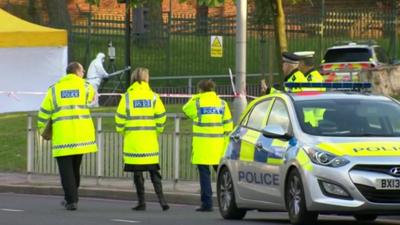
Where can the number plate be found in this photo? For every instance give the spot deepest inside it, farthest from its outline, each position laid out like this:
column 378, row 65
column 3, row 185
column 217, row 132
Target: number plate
column 388, row 184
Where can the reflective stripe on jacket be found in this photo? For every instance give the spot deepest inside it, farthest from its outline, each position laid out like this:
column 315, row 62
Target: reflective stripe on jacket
column 66, row 105
column 212, row 122
column 140, row 116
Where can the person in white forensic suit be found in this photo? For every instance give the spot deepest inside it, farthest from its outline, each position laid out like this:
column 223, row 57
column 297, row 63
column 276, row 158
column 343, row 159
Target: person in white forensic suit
column 95, row 74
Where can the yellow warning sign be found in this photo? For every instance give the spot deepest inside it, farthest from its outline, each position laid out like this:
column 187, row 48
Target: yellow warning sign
column 216, row 46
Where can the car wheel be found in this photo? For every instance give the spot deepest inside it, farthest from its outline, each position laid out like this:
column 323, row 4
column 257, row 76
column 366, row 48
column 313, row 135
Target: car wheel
column 226, row 197
column 365, row 217
column 295, row 201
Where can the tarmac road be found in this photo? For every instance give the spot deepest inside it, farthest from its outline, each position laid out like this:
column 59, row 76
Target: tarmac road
column 20, row 209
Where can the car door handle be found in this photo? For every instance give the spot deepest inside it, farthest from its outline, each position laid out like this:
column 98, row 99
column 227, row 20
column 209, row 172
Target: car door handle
column 259, row 146
column 235, row 137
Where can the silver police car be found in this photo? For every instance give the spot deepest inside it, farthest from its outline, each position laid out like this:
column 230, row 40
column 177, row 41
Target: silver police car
column 313, row 153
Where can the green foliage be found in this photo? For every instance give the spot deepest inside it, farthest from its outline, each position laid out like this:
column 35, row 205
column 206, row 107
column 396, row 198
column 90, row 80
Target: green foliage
column 262, row 12
column 209, row 3
column 93, row 2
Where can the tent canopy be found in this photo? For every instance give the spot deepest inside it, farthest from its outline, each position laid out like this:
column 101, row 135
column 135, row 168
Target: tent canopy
column 32, row 58
column 15, row 32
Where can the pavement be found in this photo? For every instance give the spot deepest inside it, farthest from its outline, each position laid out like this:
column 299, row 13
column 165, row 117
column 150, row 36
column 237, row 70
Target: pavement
column 181, row 192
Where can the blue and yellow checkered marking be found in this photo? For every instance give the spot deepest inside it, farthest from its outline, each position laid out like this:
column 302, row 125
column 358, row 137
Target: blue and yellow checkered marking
column 272, row 154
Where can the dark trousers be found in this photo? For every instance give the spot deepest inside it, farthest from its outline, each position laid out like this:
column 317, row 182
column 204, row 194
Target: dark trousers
column 69, row 166
column 155, row 177
column 205, row 185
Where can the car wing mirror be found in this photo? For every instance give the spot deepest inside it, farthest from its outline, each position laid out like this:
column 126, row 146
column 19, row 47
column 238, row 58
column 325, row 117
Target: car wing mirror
column 275, row 131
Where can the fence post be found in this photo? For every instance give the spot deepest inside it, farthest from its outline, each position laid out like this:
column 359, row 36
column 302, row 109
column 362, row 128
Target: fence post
column 176, row 150
column 321, row 31
column 99, row 135
column 169, row 48
column 394, row 32
column 190, row 85
column 30, row 149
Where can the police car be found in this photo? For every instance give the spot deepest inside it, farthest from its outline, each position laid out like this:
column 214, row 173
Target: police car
column 312, row 153
column 345, row 60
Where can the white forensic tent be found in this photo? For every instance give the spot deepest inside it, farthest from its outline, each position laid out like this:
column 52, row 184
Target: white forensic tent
column 32, row 58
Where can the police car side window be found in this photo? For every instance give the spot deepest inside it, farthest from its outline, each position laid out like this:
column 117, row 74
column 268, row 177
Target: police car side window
column 279, row 115
column 258, row 115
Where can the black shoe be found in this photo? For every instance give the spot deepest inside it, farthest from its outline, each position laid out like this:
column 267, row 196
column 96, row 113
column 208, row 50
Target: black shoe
column 204, row 209
column 140, row 207
column 71, row 206
column 165, row 207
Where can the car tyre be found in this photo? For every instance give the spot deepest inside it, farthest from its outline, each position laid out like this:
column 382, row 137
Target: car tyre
column 226, row 197
column 295, row 201
column 365, row 217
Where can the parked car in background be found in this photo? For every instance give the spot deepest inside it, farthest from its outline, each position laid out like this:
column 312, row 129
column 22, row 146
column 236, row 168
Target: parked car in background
column 345, row 60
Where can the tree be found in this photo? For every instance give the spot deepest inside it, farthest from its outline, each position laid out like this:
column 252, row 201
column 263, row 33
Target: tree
column 58, row 13
column 32, row 11
column 201, row 19
column 150, row 14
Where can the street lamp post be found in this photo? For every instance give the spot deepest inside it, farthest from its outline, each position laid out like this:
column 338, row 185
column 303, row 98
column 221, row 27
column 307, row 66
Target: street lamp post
column 240, row 100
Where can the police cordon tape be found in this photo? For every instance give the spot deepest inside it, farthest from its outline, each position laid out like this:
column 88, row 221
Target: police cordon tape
column 14, row 94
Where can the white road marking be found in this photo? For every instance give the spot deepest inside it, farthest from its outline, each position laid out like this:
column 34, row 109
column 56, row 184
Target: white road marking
column 12, row 210
column 125, row 221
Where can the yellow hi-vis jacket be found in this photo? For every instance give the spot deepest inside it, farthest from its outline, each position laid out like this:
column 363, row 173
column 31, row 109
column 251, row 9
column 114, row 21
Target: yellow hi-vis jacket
column 140, row 116
column 313, row 76
column 212, row 122
column 296, row 76
column 66, row 105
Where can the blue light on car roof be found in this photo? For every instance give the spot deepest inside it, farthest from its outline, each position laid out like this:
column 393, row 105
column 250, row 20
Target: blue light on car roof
column 331, row 85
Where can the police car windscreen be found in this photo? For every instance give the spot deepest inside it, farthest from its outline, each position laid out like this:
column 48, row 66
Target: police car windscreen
column 349, row 117
column 347, row 55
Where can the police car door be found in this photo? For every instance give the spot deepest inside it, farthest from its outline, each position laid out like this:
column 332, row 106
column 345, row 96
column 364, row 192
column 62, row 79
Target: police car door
column 274, row 149
column 250, row 178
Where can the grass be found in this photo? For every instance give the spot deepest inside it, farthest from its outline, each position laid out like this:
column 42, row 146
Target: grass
column 13, row 142
column 13, row 135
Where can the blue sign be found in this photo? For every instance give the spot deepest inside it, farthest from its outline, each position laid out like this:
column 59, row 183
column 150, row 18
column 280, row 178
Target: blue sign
column 211, row 110
column 142, row 103
column 70, row 94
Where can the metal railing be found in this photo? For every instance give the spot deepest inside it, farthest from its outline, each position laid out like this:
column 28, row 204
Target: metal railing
column 182, row 44
column 175, row 151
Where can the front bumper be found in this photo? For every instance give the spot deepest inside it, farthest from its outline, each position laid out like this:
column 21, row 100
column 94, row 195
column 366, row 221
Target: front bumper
column 357, row 182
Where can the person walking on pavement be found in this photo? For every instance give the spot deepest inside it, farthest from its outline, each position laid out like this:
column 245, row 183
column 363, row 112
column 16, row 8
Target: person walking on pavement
column 290, row 63
column 96, row 73
column 212, row 122
column 65, row 110
column 140, row 118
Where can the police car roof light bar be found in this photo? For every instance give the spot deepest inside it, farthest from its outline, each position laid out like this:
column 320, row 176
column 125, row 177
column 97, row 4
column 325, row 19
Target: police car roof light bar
column 331, row 85
column 356, row 42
